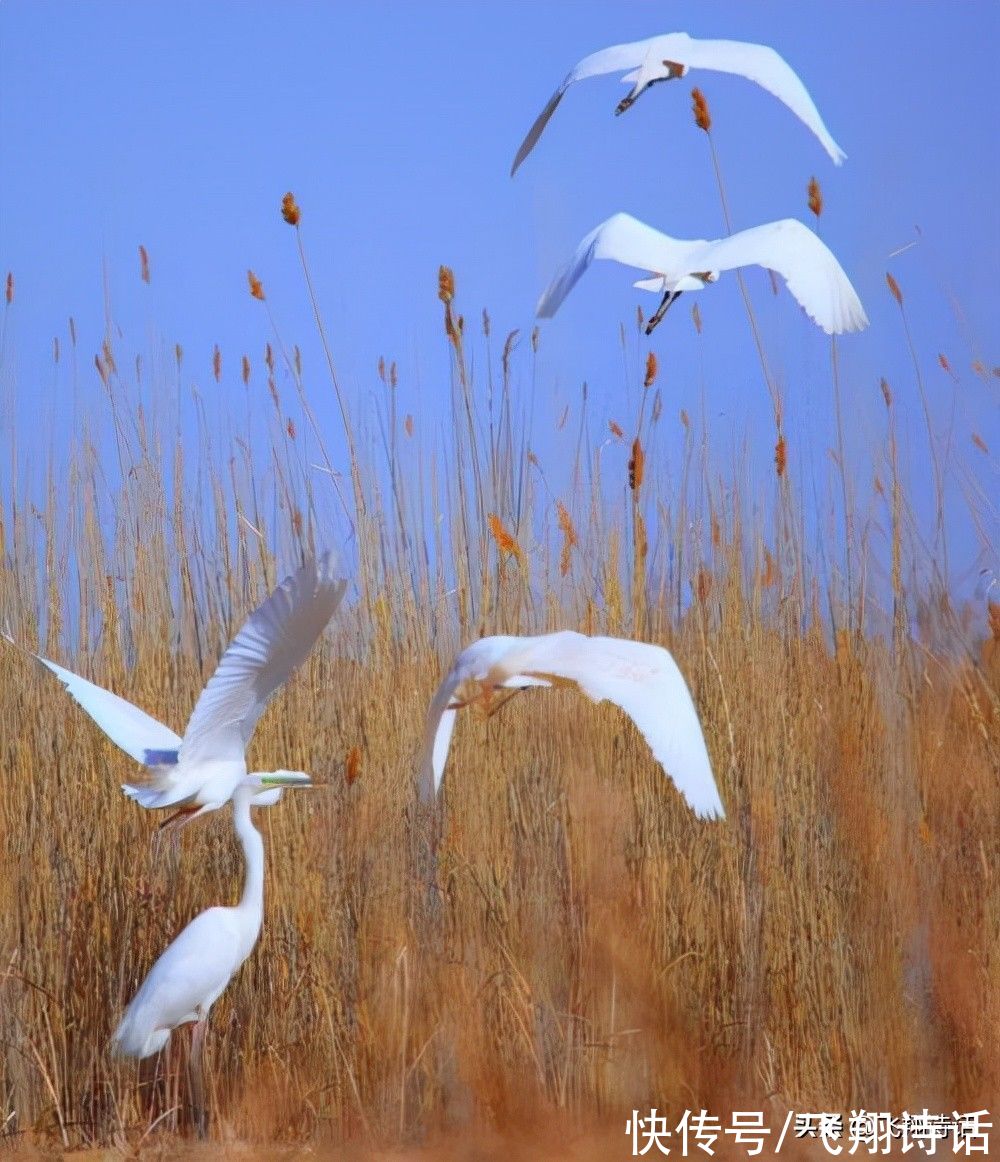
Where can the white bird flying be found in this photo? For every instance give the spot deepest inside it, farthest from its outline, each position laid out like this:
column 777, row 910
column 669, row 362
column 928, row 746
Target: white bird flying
column 193, row 971
column 813, row 274
column 661, row 58
column 199, row 772
column 641, row 679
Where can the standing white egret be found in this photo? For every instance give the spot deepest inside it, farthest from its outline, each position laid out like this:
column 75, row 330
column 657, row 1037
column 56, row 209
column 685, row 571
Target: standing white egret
column 814, row 276
column 641, row 679
column 662, row 58
column 193, row 971
column 200, row 771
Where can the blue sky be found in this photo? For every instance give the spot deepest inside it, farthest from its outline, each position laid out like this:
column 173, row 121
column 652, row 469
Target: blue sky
column 180, row 125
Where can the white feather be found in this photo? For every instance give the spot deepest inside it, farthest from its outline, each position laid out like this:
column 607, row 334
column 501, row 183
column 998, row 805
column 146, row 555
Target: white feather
column 814, row 276
column 641, row 679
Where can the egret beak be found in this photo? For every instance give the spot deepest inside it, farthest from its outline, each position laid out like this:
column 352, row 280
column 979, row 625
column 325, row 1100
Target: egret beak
column 285, row 779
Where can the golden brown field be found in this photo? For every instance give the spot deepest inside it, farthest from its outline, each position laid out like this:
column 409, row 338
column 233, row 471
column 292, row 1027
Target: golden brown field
column 591, row 948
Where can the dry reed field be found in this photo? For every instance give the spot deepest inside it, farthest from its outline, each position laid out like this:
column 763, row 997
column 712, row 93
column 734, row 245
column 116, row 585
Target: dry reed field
column 590, row 947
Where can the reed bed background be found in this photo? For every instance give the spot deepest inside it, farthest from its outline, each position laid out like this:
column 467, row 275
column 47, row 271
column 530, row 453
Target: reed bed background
column 591, row 947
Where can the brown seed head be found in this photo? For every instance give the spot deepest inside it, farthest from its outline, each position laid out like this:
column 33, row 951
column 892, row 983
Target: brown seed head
column 504, row 540
column 256, row 286
column 886, row 391
column 569, row 536
column 696, row 317
column 486, row 322
column 352, row 765
column 651, row 369
column 702, row 584
column 290, row 209
column 446, row 284
column 897, row 294
column 408, row 425
column 290, row 428
column 178, row 353
column 716, row 531
column 685, row 420
column 297, row 522
column 10, row 287
column 879, row 487
column 381, row 368
column 143, row 264
column 815, row 197
column 393, row 374
column 699, row 106
column 640, row 318
column 55, row 348
column 101, row 371
column 246, row 370
column 980, row 443
column 268, row 357
column 945, row 365
column 616, row 429
column 217, row 363
column 636, row 466
column 780, row 456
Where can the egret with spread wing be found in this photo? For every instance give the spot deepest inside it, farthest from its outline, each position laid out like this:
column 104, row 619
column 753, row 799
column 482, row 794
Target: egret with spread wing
column 194, row 970
column 200, row 771
column 814, row 276
column 639, row 678
column 662, row 58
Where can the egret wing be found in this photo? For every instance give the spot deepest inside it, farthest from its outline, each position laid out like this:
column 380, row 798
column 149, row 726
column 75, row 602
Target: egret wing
column 607, row 60
column 437, row 736
column 644, row 681
column 761, row 64
column 626, row 240
column 813, row 274
column 274, row 641
column 136, row 732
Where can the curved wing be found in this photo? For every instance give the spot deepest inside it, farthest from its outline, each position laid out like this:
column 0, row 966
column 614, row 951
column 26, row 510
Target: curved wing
column 761, row 64
column 437, row 736
column 644, row 681
column 136, row 732
column 275, row 640
column 629, row 241
column 618, row 57
column 813, row 274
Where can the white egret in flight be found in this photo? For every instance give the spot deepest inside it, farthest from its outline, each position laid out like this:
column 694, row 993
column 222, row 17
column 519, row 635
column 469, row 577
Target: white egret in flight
column 813, row 274
column 641, row 679
column 199, row 772
column 193, row 971
column 662, row 58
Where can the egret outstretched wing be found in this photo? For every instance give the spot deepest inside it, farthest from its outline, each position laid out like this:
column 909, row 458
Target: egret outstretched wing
column 761, row 64
column 804, row 261
column 626, row 240
column 136, row 732
column 275, row 640
column 641, row 679
column 607, row 60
